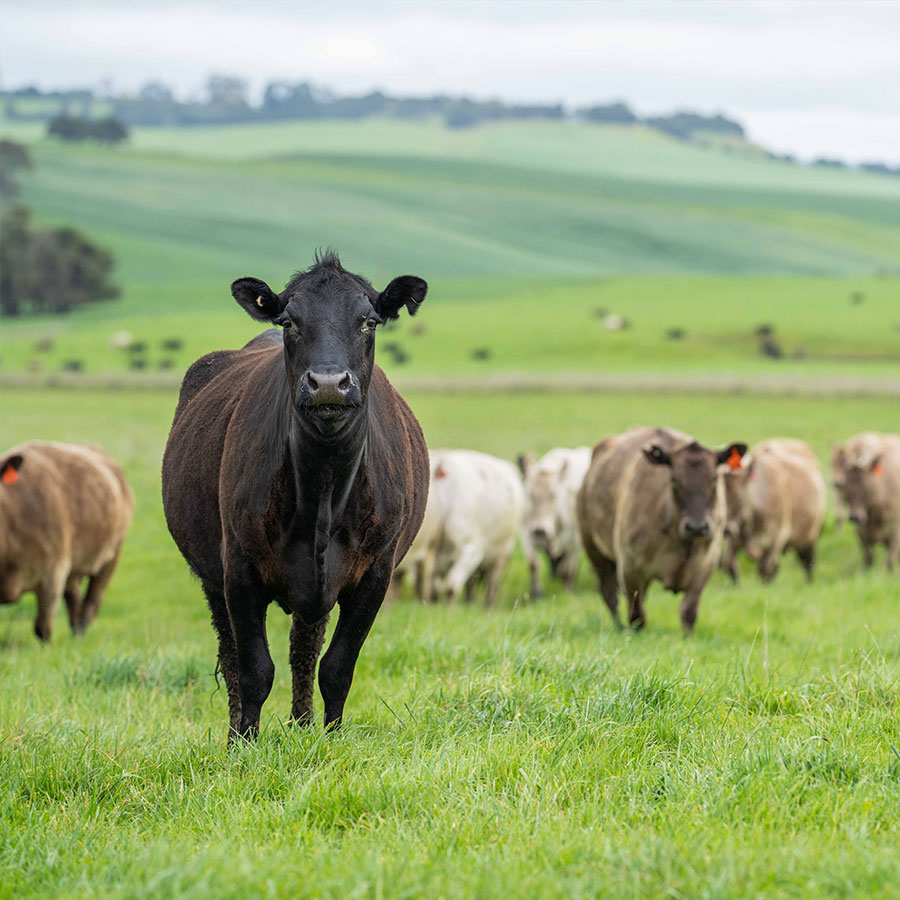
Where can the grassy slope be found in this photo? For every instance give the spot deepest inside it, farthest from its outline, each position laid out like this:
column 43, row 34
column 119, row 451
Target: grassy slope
column 528, row 746
column 528, row 220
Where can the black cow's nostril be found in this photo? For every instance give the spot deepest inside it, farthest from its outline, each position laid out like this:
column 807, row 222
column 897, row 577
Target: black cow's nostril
column 323, row 388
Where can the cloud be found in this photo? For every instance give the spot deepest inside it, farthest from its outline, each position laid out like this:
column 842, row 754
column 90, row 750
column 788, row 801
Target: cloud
column 764, row 62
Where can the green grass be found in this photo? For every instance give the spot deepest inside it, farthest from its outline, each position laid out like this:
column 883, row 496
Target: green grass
column 538, row 326
column 529, row 749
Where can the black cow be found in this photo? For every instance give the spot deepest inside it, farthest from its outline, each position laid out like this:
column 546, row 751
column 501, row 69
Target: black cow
column 295, row 473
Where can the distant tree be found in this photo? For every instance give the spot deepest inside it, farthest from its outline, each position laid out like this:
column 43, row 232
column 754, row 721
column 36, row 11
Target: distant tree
column 830, row 163
column 226, row 90
column 155, row 92
column 684, row 124
column 294, row 101
column 67, row 128
column 879, row 168
column 66, row 270
column 49, row 271
column 14, row 158
column 74, row 128
column 109, row 131
column 613, row 113
column 14, row 244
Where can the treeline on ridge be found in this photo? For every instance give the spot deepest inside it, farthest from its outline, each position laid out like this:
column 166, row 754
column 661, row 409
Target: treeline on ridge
column 226, row 100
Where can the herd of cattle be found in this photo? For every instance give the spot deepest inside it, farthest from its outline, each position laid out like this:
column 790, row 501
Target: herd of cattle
column 649, row 504
column 295, row 474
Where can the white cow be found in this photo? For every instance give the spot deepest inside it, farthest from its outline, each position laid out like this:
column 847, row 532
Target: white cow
column 551, row 526
column 475, row 508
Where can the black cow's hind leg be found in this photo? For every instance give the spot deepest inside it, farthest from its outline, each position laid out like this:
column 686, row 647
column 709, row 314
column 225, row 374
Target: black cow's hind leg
column 245, row 599
column 306, row 645
column 357, row 613
column 228, row 664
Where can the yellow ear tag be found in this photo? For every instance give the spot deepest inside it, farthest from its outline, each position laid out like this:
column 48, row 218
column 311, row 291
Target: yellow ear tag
column 259, row 301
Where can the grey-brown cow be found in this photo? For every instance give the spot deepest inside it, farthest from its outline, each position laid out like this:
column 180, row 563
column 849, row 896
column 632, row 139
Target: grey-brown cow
column 64, row 512
column 775, row 502
column 867, row 480
column 652, row 506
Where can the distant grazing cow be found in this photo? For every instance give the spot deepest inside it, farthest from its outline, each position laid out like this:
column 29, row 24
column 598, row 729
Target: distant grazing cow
column 294, row 473
column 64, row 512
column 551, row 524
column 480, row 502
column 775, row 502
column 652, row 506
column 867, row 479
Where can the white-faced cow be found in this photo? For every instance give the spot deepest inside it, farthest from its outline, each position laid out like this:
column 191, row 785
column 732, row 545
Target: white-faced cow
column 652, row 507
column 294, row 473
column 64, row 513
column 867, row 479
column 551, row 524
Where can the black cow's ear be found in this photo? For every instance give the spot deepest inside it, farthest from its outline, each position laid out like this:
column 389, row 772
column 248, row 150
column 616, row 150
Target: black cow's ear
column 9, row 469
column 257, row 298
column 732, row 455
column 406, row 290
column 656, row 455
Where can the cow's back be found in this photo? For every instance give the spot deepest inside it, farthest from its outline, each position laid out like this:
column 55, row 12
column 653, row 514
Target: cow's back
column 482, row 496
column 213, row 389
column 785, row 495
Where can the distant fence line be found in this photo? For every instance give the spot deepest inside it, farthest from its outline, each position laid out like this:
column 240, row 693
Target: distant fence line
column 638, row 383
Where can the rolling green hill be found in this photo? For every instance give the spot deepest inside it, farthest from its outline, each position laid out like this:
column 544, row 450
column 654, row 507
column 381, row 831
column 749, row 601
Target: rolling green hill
column 537, row 224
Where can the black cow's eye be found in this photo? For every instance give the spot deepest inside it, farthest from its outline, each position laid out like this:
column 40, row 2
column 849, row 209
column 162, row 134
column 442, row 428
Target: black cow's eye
column 368, row 325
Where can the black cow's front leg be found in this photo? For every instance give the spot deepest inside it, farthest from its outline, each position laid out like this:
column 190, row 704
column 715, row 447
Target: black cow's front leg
column 306, row 645
column 357, row 613
column 245, row 598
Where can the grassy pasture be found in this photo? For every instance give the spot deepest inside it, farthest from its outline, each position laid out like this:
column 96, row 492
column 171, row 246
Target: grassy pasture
column 523, row 230
column 529, row 748
column 534, row 326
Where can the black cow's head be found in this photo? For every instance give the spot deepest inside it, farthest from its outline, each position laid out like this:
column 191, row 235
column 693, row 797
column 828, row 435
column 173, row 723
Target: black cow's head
column 694, row 475
column 329, row 317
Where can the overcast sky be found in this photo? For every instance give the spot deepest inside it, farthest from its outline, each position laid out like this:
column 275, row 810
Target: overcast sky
column 807, row 77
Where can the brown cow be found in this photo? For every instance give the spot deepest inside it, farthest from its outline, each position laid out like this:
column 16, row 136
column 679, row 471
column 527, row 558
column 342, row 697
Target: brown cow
column 652, row 506
column 295, row 474
column 867, row 479
column 775, row 502
column 64, row 512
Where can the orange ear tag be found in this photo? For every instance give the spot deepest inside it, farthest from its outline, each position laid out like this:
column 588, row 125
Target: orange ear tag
column 9, row 476
column 877, row 469
column 734, row 461
column 440, row 473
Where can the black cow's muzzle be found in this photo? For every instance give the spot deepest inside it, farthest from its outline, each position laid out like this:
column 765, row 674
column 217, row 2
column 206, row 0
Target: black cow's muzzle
column 328, row 394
